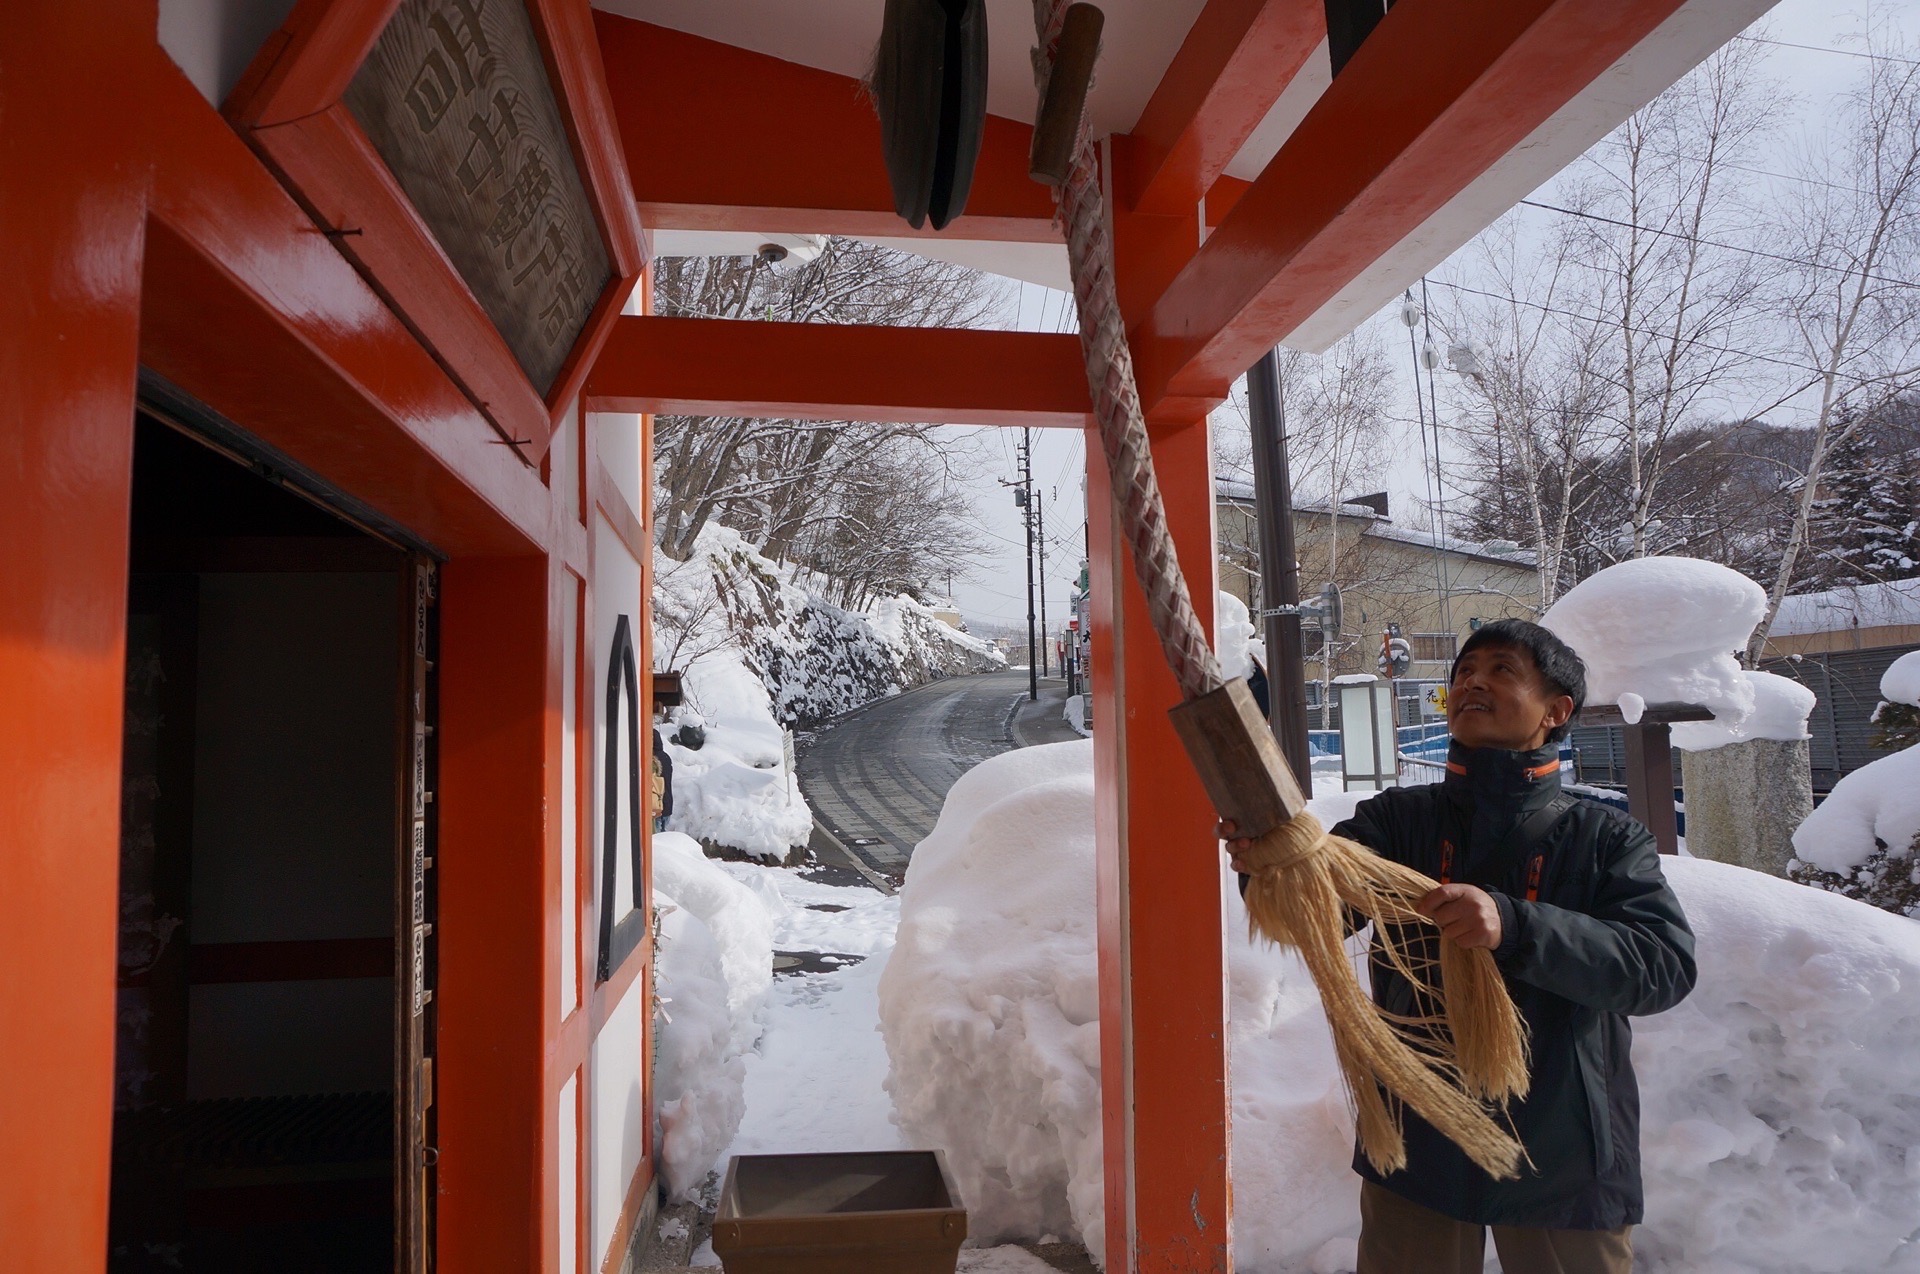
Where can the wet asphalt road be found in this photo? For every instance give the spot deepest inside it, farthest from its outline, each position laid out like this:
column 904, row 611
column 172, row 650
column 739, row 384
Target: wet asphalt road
column 876, row 778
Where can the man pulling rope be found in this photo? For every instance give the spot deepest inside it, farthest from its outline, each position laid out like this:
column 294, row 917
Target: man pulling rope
column 1599, row 937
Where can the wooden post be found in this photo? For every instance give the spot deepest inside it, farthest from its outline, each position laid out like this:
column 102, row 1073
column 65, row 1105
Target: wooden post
column 1650, row 781
column 1163, row 1039
column 74, row 181
column 1649, row 746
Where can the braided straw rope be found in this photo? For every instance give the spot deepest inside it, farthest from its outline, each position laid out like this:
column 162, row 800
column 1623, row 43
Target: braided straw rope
column 1470, row 1047
column 1116, row 402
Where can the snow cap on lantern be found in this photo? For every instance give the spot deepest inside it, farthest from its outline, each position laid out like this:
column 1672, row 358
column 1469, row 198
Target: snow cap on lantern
column 1781, row 707
column 1663, row 630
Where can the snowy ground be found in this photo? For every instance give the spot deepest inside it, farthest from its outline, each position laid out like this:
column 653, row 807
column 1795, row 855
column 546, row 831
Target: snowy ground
column 817, row 1081
column 1780, row 1134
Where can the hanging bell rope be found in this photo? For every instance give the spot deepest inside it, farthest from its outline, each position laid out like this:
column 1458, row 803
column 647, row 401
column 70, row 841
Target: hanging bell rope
column 1468, row 1046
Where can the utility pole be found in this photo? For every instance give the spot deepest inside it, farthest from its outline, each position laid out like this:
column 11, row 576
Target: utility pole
column 1040, row 525
column 1023, row 496
column 1279, row 567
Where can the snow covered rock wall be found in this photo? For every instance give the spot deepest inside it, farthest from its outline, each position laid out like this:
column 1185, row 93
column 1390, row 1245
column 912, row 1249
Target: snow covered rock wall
column 815, row 659
column 760, row 656
column 1779, row 1136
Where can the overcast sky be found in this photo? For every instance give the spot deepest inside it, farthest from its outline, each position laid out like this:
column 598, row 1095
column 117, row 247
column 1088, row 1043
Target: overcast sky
column 995, row 591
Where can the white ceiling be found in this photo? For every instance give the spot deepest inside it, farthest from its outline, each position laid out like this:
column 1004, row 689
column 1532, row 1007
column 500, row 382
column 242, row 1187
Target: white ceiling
column 1141, row 37
column 1138, row 44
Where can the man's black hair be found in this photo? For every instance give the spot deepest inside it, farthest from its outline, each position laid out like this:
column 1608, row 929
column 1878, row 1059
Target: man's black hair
column 1565, row 671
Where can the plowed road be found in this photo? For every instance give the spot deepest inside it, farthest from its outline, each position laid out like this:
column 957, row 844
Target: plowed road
column 876, row 778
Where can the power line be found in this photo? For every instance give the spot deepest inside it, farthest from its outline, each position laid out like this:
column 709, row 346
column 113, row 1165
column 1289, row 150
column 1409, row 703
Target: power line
column 1600, row 318
column 1744, row 168
column 1824, row 48
column 1710, row 243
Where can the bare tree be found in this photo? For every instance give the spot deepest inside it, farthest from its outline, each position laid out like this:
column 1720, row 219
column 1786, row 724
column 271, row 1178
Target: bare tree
column 1665, row 222
column 797, row 490
column 1852, row 227
column 1337, row 407
column 1536, row 382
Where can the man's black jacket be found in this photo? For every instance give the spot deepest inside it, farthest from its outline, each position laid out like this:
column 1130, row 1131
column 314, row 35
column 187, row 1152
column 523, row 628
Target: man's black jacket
column 1604, row 938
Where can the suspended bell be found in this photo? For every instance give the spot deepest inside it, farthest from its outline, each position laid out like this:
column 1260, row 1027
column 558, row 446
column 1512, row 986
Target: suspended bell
column 930, row 87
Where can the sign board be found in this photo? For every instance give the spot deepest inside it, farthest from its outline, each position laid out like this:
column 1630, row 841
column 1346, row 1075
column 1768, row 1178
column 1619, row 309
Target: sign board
column 461, row 154
column 1433, row 701
column 455, row 100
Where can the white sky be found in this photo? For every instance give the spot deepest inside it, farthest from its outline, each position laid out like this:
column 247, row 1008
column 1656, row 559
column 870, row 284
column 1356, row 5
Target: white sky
column 995, row 590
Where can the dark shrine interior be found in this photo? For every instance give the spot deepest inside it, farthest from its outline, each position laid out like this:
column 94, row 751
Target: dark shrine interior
column 256, row 1024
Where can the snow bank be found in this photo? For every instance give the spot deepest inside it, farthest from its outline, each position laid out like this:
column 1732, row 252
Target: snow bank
column 989, row 1001
column 713, row 966
column 760, row 655
column 1779, row 1136
column 1781, row 707
column 1875, row 807
column 736, row 789
column 1779, row 1128
column 1663, row 630
column 1901, row 682
column 989, row 1008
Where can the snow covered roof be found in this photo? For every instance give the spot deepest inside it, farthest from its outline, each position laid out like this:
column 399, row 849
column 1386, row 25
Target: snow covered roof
column 1858, row 606
column 1229, row 487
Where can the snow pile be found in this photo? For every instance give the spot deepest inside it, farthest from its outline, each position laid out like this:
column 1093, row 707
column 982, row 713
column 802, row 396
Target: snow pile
column 713, row 965
column 759, row 656
column 1778, row 1125
column 1875, row 808
column 1900, row 683
column 989, row 1008
column 1663, row 630
column 736, row 788
column 1781, row 707
column 989, row 1002
column 1233, row 632
column 1779, row 1137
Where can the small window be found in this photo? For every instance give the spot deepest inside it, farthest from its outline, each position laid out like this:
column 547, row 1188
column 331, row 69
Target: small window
column 1434, row 647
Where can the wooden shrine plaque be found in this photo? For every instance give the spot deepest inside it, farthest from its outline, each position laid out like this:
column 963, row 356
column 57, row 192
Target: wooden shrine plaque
column 454, row 97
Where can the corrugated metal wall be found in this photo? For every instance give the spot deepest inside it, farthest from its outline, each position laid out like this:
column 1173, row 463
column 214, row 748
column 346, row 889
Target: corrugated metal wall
column 1846, row 687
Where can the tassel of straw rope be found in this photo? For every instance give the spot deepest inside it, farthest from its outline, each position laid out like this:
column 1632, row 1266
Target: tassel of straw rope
column 1441, row 1065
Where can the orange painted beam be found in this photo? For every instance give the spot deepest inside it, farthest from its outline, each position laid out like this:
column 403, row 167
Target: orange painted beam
column 832, row 371
column 1237, row 59
column 495, row 1132
column 1162, row 951
column 73, row 186
column 1440, row 91
column 720, row 138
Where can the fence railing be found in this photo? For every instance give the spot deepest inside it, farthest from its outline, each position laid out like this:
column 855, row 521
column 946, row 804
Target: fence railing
column 1421, row 769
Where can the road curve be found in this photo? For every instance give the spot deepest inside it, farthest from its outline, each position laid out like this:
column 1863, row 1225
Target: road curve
column 876, row 778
